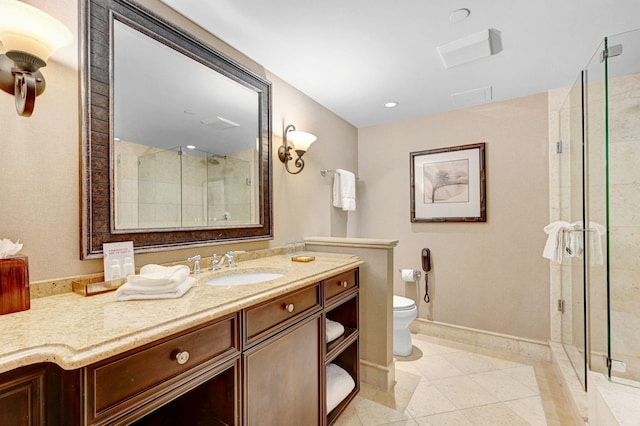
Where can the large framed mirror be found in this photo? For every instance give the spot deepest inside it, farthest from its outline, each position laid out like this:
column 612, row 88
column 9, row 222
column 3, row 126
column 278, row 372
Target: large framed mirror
column 176, row 136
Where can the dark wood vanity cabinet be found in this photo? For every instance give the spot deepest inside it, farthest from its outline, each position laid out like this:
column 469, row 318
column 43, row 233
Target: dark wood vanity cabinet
column 264, row 365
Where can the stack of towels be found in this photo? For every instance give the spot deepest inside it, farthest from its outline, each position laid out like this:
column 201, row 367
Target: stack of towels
column 156, row 282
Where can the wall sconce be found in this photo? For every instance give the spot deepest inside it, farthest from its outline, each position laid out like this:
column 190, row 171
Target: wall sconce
column 29, row 36
column 300, row 141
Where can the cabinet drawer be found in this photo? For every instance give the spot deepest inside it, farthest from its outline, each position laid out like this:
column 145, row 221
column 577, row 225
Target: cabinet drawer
column 340, row 283
column 114, row 382
column 279, row 312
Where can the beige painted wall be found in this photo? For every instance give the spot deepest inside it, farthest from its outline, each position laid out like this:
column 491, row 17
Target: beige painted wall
column 490, row 276
column 40, row 164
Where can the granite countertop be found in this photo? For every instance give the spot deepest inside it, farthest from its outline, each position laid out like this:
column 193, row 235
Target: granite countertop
column 73, row 331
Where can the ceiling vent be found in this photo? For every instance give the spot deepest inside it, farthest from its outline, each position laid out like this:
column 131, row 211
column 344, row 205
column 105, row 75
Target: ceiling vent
column 473, row 97
column 219, row 123
column 470, row 48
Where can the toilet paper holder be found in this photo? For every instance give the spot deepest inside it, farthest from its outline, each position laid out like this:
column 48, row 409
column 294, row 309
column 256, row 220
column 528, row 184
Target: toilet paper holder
column 410, row 275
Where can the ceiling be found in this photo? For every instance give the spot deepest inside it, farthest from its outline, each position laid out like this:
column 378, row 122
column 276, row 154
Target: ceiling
column 352, row 56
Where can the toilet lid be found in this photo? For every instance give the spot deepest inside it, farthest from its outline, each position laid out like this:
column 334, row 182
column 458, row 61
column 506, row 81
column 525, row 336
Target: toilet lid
column 402, row 303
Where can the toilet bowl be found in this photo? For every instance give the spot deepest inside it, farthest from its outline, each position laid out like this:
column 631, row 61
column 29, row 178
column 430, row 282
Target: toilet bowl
column 404, row 311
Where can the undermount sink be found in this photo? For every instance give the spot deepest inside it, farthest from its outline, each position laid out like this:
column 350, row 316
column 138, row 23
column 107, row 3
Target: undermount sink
column 244, row 278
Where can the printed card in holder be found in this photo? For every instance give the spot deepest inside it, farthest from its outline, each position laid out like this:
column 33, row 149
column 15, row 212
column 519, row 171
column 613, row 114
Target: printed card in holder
column 118, row 260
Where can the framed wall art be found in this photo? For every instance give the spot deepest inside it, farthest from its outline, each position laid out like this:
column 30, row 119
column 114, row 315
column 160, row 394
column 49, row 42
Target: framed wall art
column 448, row 184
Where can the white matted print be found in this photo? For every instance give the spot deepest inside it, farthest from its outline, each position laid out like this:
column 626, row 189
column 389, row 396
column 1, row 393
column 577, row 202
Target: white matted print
column 448, row 184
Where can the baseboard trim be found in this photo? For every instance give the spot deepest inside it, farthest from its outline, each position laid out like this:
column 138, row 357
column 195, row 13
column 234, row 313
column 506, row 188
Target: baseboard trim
column 519, row 346
column 378, row 376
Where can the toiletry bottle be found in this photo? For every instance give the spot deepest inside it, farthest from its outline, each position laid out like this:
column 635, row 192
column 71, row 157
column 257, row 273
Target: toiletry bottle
column 128, row 267
column 116, row 272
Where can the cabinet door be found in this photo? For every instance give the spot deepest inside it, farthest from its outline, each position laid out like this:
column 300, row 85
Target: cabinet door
column 21, row 398
column 282, row 377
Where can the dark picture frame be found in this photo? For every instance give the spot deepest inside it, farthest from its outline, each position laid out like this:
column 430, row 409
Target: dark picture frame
column 449, row 184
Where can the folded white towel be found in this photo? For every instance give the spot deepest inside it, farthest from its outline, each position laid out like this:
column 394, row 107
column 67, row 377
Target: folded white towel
column 158, row 278
column 339, row 385
column 344, row 190
column 333, row 329
column 126, row 293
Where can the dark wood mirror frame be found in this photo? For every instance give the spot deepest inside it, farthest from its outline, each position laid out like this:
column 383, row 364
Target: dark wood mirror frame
column 97, row 180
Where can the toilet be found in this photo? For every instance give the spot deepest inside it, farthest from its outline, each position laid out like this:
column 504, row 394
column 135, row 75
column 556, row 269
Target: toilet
column 404, row 311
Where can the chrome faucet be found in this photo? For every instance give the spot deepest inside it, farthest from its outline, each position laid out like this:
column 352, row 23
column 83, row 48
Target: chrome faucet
column 216, row 262
column 196, row 263
column 230, row 260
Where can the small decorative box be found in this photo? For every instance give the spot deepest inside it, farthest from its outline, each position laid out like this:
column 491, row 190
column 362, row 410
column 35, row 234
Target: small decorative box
column 14, row 284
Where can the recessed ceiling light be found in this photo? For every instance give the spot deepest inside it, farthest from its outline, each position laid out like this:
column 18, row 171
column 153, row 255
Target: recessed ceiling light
column 459, row 15
column 191, row 146
column 391, row 104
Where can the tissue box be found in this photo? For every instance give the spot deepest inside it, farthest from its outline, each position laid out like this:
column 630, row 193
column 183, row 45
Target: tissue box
column 14, row 284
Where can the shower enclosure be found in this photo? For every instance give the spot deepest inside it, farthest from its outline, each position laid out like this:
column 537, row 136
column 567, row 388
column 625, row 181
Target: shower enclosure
column 596, row 176
column 181, row 187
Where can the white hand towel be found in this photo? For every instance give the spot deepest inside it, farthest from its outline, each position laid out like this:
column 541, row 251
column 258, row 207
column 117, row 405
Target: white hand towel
column 344, row 190
column 125, row 293
column 158, row 279
column 339, row 385
column 554, row 247
column 333, row 329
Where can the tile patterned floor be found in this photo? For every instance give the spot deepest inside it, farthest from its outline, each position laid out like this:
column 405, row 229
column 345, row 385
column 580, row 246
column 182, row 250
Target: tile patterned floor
column 447, row 383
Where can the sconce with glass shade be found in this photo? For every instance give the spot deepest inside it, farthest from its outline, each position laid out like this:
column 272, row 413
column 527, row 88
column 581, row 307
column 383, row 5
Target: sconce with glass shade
column 298, row 141
column 29, row 36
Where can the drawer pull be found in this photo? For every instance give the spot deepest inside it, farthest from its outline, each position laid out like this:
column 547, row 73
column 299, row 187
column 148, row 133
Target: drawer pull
column 182, row 357
column 289, row 307
column 343, row 284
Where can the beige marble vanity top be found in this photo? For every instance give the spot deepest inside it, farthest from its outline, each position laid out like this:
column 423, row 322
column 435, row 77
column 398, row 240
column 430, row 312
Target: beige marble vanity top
column 73, row 331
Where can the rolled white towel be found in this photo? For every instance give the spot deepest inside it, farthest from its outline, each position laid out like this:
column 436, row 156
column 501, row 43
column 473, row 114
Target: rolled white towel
column 333, row 329
column 125, row 292
column 339, row 385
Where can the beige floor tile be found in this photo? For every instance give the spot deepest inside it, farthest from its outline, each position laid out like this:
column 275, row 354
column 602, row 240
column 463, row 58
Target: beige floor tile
column 372, row 413
column 529, row 409
column 450, row 383
column 503, row 386
column 494, row 415
column 428, row 400
column 349, row 417
column 455, row 418
column 525, row 374
column 464, row 392
column 436, row 367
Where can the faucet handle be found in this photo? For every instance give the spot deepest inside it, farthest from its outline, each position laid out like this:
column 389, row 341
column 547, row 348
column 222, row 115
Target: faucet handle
column 196, row 263
column 216, row 261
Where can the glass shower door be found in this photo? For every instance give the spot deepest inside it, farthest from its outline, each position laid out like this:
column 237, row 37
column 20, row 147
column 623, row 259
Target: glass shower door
column 570, row 271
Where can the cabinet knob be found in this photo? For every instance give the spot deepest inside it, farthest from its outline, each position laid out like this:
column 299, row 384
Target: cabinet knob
column 289, row 307
column 182, row 357
column 343, row 284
